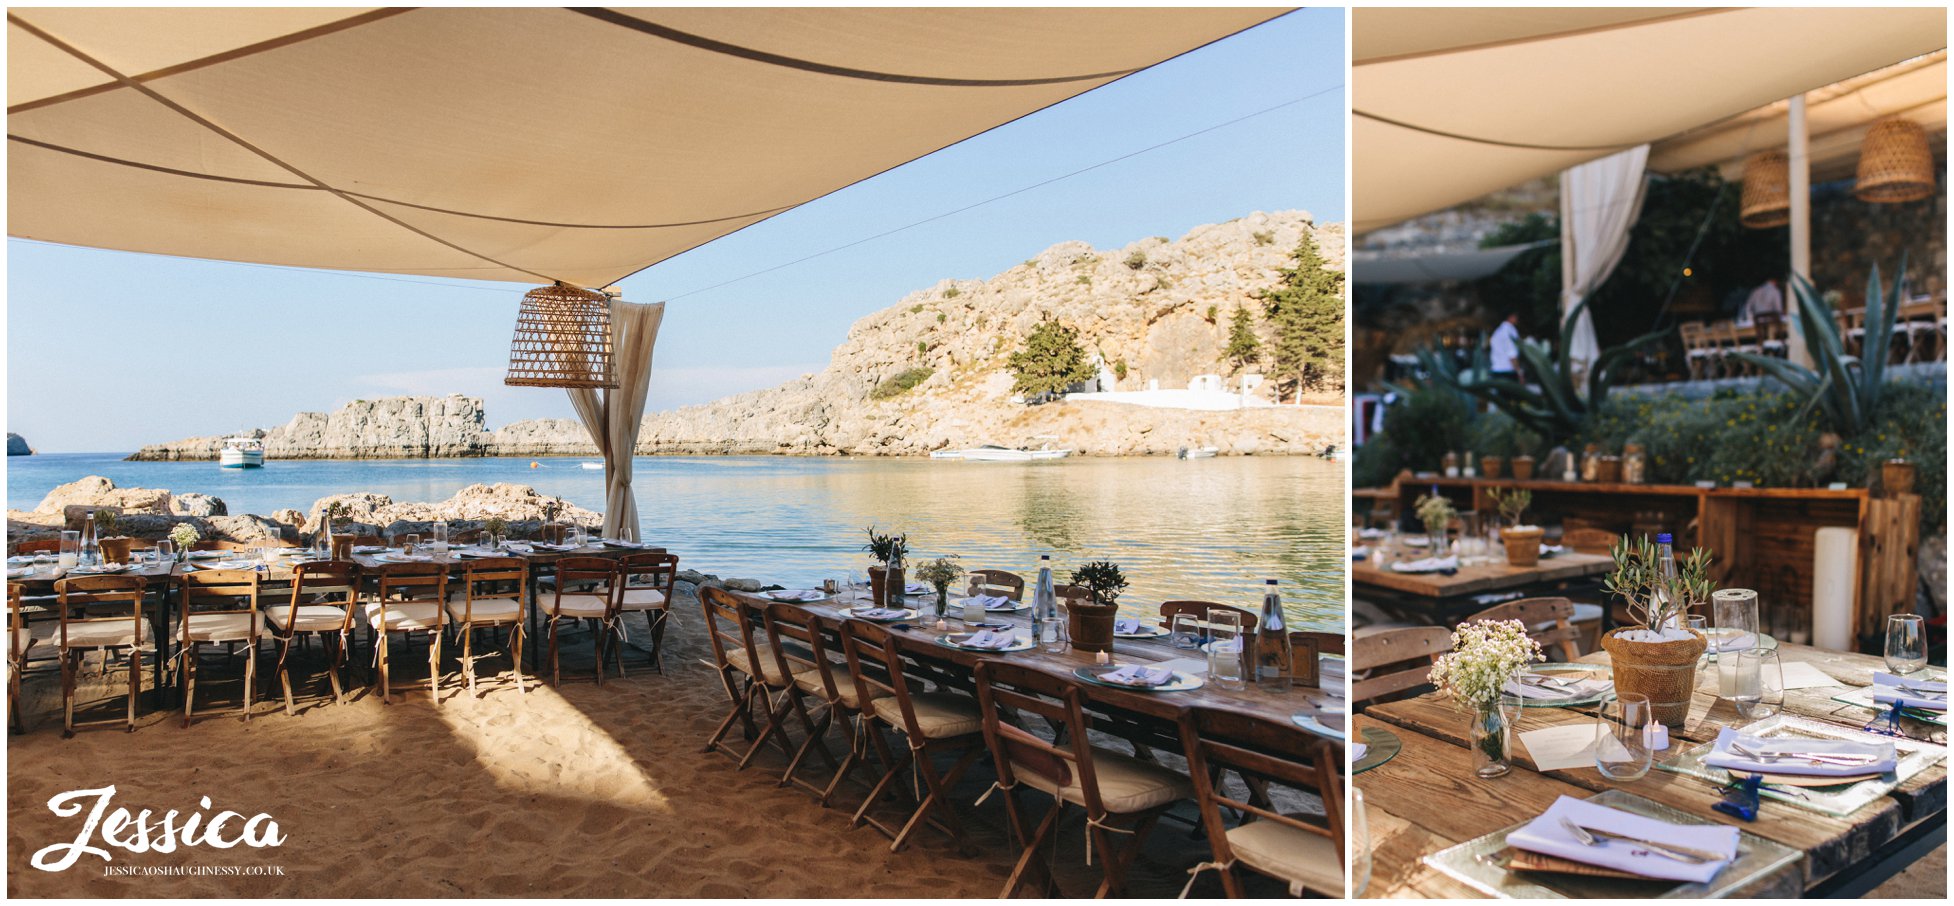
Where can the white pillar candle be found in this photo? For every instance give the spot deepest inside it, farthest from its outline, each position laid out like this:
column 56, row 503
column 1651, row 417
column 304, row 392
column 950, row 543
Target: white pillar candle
column 1835, row 569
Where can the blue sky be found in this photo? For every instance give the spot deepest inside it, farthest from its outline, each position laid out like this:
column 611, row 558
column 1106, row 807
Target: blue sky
column 96, row 338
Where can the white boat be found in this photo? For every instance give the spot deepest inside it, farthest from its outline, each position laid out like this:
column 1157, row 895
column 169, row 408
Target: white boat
column 241, row 453
column 1199, row 452
column 592, row 465
column 995, row 453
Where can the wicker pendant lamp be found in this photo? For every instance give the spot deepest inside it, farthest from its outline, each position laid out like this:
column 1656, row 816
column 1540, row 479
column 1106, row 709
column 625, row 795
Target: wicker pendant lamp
column 1767, row 190
column 1894, row 164
column 563, row 339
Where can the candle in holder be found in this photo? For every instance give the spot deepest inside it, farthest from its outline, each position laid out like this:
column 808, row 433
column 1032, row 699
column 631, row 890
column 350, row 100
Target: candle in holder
column 942, row 625
column 1103, row 658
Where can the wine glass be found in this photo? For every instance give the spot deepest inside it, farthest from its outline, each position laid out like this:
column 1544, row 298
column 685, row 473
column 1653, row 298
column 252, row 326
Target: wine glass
column 1621, row 746
column 1906, row 643
column 1760, row 683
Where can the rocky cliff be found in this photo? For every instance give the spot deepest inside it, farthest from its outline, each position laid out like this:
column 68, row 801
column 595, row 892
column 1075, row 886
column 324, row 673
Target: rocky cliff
column 402, row 427
column 17, row 445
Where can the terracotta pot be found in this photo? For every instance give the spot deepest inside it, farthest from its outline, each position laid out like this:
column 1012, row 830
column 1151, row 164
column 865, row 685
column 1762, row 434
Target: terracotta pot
column 1091, row 625
column 1489, row 466
column 1663, row 671
column 1522, row 545
column 878, row 579
column 116, row 550
column 1523, row 467
column 1608, row 469
column 1896, row 477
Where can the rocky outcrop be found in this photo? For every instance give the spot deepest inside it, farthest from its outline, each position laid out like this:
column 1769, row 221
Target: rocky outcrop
column 513, row 503
column 146, row 513
column 403, row 427
column 17, row 445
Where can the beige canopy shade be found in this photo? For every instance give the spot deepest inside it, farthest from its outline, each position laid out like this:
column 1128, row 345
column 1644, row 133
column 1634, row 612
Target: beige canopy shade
column 1450, row 104
column 523, row 145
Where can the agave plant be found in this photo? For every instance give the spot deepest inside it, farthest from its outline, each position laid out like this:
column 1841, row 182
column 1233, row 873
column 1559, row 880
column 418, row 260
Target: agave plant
column 1560, row 406
column 1847, row 387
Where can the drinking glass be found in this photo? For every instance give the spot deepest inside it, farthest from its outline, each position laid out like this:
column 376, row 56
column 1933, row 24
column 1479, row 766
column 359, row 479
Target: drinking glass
column 1760, row 683
column 1735, row 612
column 1187, row 631
column 1906, row 643
column 70, row 550
column 412, row 544
column 1360, row 845
column 1621, row 747
column 973, row 611
column 440, row 534
column 1702, row 625
column 43, row 564
column 166, row 550
column 1225, row 650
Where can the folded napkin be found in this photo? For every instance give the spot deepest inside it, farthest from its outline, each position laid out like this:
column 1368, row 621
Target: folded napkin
column 1360, row 552
column 1138, row 675
column 1911, row 693
column 1358, row 750
column 517, row 547
column 1573, row 689
column 880, row 613
column 1124, row 626
column 1427, row 565
column 916, row 588
column 992, row 602
column 1721, row 756
column 1546, row 835
column 995, row 641
column 796, row 594
column 18, row 573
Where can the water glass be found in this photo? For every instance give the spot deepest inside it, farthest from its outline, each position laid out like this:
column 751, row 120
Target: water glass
column 1735, row 612
column 440, row 534
column 1225, row 650
column 1360, row 845
column 973, row 611
column 70, row 550
column 1906, row 643
column 1186, row 631
column 1621, row 746
column 1702, row 625
column 165, row 550
column 412, row 544
column 1760, row 683
column 43, row 564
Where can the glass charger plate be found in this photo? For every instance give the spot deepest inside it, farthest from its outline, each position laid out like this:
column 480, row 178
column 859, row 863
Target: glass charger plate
column 1146, row 632
column 1022, row 644
column 1556, row 668
column 1479, row 864
column 1181, row 682
column 1863, row 697
column 907, row 613
column 1837, row 801
column 1310, row 723
column 1384, row 745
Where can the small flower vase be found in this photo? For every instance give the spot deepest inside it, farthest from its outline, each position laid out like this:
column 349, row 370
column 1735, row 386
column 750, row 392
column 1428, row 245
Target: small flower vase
column 942, row 599
column 1491, row 738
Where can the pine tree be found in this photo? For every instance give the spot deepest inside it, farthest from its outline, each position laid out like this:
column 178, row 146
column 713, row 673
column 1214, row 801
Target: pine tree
column 1244, row 347
column 1050, row 361
column 1306, row 308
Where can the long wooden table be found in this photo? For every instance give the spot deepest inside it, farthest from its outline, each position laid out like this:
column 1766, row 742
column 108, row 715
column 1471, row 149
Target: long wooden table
column 1427, row 798
column 1472, row 580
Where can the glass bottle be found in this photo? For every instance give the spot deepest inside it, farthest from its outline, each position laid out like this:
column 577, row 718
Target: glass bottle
column 1044, row 605
column 90, row 551
column 1275, row 666
column 893, row 582
column 1665, row 558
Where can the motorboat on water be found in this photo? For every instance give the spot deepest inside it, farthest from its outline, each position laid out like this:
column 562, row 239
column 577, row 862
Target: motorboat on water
column 242, row 453
column 592, row 465
column 995, row 453
column 1199, row 452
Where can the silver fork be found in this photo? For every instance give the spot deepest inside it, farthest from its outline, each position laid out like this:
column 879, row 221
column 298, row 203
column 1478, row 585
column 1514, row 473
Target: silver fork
column 1592, row 837
column 1838, row 759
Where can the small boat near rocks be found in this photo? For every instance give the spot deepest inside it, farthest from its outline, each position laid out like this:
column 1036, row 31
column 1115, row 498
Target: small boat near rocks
column 241, row 453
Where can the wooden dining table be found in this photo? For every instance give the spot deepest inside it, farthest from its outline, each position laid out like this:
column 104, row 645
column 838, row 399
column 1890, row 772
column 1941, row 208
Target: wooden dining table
column 1480, row 578
column 1427, row 797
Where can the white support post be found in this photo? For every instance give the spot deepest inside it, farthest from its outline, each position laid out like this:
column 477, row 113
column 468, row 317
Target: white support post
column 1801, row 224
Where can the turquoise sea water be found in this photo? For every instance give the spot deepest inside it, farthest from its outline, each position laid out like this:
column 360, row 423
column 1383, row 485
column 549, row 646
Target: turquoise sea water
column 1206, row 529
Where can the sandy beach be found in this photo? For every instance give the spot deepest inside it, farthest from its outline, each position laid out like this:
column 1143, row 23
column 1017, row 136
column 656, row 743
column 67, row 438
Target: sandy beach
column 570, row 791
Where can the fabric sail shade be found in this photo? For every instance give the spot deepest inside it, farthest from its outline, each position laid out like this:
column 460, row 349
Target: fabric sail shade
column 613, row 416
column 524, row 145
column 563, row 339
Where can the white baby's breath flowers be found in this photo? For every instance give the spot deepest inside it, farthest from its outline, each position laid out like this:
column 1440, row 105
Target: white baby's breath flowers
column 184, row 536
column 1484, row 657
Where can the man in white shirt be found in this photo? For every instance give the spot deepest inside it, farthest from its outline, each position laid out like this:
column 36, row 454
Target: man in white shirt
column 1506, row 348
column 1765, row 302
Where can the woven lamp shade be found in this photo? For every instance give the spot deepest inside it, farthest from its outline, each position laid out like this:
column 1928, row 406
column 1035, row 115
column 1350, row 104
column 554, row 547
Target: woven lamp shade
column 1894, row 164
column 1767, row 190
column 563, row 339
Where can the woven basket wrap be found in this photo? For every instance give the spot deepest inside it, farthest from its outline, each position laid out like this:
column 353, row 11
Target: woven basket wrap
column 1895, row 164
column 1522, row 546
column 1767, row 190
column 1663, row 671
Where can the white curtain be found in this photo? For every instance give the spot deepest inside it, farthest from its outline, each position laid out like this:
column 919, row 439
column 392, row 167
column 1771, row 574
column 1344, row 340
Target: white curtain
column 1599, row 202
column 613, row 416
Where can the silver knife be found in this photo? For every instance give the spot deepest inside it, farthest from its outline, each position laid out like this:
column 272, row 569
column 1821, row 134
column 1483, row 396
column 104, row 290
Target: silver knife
column 1689, row 854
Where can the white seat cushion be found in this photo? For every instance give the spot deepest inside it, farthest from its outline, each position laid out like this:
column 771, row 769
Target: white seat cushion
column 486, row 610
column 573, row 605
column 769, row 672
column 1289, row 853
column 1126, row 784
column 311, row 618
column 844, row 687
column 411, row 615
column 939, row 715
column 643, row 599
column 220, row 627
column 104, row 634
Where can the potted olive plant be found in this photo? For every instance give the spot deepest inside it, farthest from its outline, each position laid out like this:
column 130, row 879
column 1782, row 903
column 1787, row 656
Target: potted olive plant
column 1091, row 623
column 889, row 551
column 115, row 547
column 1657, row 656
column 1522, row 541
column 939, row 573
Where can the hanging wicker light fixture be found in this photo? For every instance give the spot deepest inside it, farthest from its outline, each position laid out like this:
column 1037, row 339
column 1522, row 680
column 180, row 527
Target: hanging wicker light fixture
column 1767, row 190
column 563, row 339
column 1894, row 164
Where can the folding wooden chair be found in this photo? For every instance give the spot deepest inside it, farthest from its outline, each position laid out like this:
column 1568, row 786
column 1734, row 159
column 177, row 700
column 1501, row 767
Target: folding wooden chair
column 1202, row 610
column 999, row 582
column 933, row 723
column 325, row 594
column 1307, row 855
column 799, row 649
column 104, row 614
column 490, row 597
column 409, row 600
column 229, row 616
column 648, row 581
column 1419, row 646
column 1119, row 793
column 1549, row 621
column 749, row 671
column 584, row 588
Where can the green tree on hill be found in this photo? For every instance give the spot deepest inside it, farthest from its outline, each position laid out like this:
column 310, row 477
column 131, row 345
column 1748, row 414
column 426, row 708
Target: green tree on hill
column 1244, row 347
column 1306, row 309
column 1050, row 360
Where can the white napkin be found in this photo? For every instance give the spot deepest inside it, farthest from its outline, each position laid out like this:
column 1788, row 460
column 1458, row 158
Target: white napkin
column 1427, row 565
column 1546, row 836
column 1888, row 688
column 796, row 594
column 1360, row 552
column 916, row 588
column 517, row 547
column 1721, row 756
column 992, row 602
column 1800, row 675
column 993, row 640
column 1126, row 627
column 1574, row 689
column 1358, row 750
column 1138, row 675
column 880, row 613
column 18, row 573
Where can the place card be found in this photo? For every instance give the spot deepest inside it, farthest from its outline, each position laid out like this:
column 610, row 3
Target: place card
column 1801, row 675
column 1562, row 748
column 1192, row 666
